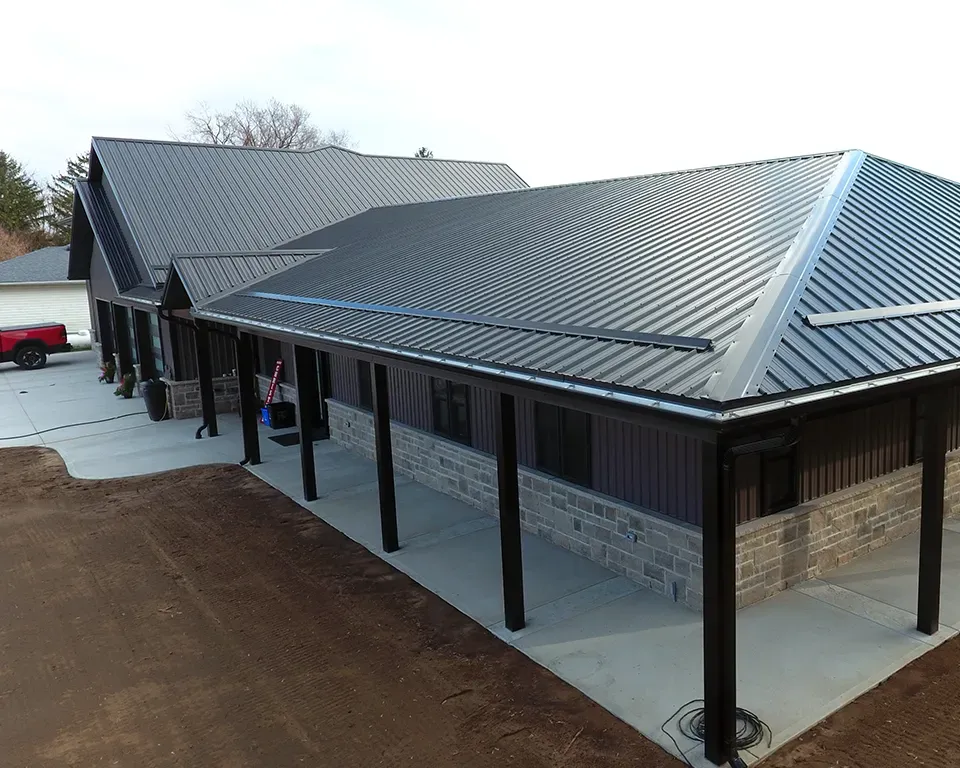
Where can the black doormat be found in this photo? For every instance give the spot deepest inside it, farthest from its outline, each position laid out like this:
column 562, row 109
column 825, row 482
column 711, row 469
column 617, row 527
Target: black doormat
column 291, row 438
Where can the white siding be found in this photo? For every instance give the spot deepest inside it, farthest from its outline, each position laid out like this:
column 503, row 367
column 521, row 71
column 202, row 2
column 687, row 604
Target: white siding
column 48, row 303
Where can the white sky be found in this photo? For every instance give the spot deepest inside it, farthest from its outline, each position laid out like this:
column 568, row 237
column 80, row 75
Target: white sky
column 562, row 91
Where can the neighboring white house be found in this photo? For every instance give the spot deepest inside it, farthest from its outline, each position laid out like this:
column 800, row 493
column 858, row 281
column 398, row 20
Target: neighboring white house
column 34, row 289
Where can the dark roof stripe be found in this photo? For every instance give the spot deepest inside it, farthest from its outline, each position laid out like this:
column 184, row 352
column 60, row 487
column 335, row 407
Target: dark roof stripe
column 603, row 334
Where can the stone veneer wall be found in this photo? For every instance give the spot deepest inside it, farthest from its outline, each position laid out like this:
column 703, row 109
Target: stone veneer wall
column 659, row 553
column 778, row 551
column 183, row 397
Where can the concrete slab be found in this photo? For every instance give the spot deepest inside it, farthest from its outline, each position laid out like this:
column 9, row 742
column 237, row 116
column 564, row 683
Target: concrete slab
column 421, row 511
column 465, row 571
column 890, row 575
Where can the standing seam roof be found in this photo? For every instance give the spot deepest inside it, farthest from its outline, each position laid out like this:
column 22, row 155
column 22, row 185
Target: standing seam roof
column 188, row 198
column 682, row 254
column 896, row 241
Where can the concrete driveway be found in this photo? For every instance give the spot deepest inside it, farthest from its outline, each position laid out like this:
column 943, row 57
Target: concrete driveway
column 802, row 654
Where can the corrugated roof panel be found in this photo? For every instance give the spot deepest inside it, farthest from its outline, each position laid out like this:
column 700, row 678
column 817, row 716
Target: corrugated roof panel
column 678, row 254
column 191, row 198
column 896, row 241
column 209, row 275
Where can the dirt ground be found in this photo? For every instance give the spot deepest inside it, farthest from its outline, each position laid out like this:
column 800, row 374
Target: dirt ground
column 199, row 618
column 912, row 719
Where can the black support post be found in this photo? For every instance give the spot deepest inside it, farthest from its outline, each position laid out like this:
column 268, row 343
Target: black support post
column 511, row 551
column 719, row 606
column 305, row 363
column 388, row 494
column 931, row 510
column 249, row 400
column 205, row 375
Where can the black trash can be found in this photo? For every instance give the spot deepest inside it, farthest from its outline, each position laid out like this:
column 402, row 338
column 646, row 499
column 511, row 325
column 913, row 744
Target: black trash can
column 282, row 415
column 155, row 398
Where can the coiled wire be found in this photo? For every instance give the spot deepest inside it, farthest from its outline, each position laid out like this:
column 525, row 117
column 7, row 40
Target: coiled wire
column 751, row 730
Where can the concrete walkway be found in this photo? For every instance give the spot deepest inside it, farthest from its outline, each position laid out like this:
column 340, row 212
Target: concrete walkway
column 802, row 654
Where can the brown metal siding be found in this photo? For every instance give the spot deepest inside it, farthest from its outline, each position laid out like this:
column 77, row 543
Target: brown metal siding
column 410, row 401
column 953, row 426
column 844, row 449
column 483, row 435
column 344, row 383
column 652, row 468
column 747, row 474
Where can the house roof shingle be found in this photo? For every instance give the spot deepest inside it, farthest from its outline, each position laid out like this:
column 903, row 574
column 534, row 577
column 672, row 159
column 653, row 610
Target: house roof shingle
column 47, row 265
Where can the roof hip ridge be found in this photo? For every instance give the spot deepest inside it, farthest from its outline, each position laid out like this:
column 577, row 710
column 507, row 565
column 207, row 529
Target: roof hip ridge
column 745, row 362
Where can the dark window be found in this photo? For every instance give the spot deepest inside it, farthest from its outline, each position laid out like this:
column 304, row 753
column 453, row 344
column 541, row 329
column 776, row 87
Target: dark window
column 272, row 351
column 779, row 480
column 563, row 443
column 366, row 384
column 451, row 410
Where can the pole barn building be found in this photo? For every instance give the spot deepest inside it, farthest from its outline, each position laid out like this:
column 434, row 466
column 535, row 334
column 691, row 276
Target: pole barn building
column 716, row 382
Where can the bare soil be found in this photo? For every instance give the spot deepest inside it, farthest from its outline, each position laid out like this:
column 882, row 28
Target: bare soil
column 912, row 719
column 200, row 618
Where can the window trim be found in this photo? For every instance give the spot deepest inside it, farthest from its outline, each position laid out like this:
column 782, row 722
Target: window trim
column 448, row 403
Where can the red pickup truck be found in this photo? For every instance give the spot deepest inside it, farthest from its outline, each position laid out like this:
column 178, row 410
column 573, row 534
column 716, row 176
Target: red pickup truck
column 29, row 345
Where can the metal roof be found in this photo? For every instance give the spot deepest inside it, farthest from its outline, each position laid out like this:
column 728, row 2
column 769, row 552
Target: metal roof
column 896, row 241
column 682, row 254
column 204, row 276
column 120, row 262
column 194, row 198
column 46, row 265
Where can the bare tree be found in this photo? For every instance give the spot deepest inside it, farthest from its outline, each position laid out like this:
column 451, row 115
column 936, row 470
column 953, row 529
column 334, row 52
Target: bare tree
column 248, row 124
column 13, row 244
column 424, row 153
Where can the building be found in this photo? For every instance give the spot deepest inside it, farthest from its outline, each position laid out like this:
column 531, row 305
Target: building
column 716, row 382
column 146, row 201
column 34, row 289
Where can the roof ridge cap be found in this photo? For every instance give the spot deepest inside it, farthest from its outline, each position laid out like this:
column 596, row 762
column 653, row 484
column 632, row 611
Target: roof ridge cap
column 745, row 362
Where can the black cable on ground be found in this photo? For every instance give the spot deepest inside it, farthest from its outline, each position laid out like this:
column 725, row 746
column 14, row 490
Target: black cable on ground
column 751, row 730
column 78, row 424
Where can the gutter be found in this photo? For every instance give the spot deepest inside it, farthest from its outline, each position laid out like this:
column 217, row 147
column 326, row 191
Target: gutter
column 718, row 416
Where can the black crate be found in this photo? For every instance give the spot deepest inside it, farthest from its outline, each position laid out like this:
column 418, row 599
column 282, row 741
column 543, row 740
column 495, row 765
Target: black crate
column 282, row 415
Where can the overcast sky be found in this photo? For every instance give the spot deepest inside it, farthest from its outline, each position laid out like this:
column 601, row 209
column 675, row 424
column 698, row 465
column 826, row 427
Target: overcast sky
column 561, row 91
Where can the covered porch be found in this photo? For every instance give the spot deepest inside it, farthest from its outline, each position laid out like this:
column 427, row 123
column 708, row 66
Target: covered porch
column 636, row 653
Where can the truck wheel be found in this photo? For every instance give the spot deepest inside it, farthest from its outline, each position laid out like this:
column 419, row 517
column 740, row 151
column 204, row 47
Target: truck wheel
column 31, row 357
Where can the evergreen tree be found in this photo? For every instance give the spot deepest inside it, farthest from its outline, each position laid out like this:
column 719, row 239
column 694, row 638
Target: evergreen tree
column 21, row 201
column 60, row 198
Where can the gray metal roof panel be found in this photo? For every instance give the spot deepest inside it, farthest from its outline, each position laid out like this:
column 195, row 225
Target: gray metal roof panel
column 679, row 254
column 46, row 265
column 193, row 198
column 209, row 275
column 896, row 241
